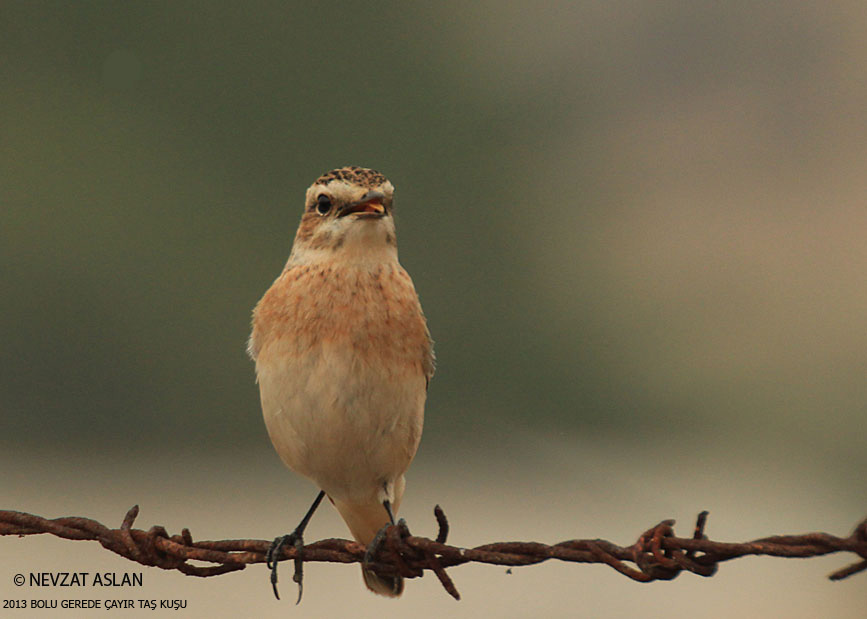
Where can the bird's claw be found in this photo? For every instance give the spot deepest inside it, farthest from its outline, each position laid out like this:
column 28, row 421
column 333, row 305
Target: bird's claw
column 272, row 558
column 378, row 539
column 374, row 546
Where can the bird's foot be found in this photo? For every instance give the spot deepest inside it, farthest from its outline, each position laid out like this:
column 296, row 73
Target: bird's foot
column 272, row 558
column 376, row 544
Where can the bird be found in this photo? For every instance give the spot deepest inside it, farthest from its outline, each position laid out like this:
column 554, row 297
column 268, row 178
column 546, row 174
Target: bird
column 343, row 359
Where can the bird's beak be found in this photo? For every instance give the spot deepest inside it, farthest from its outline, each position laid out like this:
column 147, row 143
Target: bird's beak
column 370, row 205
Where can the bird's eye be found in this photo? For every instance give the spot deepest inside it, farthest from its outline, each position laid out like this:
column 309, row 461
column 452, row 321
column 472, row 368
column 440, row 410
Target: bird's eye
column 323, row 204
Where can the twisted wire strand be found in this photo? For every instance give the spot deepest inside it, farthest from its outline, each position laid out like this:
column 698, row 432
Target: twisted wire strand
column 658, row 554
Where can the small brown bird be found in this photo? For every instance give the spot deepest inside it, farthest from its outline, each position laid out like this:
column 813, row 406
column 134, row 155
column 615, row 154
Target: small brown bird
column 343, row 359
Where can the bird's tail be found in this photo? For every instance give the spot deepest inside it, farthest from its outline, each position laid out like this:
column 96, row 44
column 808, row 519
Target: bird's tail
column 389, row 586
column 364, row 521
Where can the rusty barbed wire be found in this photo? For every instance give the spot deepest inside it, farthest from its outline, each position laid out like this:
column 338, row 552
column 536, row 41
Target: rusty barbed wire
column 657, row 554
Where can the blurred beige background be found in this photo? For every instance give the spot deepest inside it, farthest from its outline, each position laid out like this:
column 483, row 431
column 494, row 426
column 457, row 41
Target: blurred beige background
column 637, row 229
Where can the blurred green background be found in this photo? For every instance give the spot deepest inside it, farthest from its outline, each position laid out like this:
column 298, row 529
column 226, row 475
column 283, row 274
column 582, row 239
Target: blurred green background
column 637, row 230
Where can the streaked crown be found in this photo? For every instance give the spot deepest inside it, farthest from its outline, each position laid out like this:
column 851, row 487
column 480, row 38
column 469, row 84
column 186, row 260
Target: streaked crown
column 354, row 175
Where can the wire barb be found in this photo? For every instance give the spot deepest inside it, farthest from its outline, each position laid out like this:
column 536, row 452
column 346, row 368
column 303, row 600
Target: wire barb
column 657, row 554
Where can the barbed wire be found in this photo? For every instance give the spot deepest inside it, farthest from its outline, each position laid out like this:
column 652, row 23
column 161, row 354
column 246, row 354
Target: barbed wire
column 657, row 554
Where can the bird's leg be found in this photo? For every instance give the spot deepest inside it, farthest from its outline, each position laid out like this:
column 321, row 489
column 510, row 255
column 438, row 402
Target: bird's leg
column 295, row 538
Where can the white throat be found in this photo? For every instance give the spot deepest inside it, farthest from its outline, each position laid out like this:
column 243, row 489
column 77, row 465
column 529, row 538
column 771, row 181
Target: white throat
column 363, row 244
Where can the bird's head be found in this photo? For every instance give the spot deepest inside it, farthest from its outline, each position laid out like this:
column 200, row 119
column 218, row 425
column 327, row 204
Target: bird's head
column 347, row 211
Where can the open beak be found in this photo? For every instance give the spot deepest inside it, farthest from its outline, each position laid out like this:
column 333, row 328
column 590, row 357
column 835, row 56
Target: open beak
column 370, row 205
